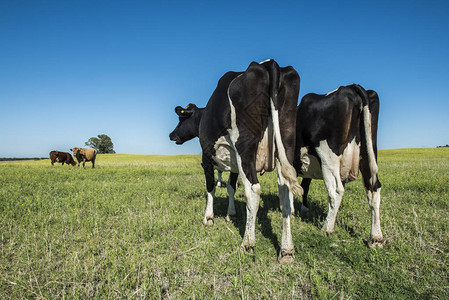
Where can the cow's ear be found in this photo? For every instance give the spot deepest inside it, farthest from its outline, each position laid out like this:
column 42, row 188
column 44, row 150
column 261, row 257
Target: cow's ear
column 184, row 112
column 191, row 108
column 179, row 111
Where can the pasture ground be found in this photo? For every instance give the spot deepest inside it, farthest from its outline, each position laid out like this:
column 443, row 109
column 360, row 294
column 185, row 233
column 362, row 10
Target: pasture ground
column 131, row 228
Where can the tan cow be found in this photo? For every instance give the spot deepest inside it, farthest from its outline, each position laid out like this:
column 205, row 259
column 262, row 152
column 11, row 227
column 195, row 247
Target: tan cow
column 85, row 154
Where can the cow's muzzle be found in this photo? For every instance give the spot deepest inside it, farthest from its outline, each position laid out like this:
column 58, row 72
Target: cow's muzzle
column 175, row 138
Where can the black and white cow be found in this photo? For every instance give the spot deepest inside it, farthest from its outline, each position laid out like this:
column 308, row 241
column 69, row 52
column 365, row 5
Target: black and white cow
column 336, row 136
column 248, row 126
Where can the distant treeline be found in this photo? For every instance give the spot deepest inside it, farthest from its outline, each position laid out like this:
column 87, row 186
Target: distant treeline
column 21, row 158
column 442, row 146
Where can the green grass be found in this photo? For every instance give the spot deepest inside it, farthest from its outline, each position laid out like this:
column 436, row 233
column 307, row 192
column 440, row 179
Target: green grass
column 131, row 228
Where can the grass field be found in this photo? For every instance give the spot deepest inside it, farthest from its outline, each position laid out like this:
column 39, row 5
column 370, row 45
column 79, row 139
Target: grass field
column 131, row 228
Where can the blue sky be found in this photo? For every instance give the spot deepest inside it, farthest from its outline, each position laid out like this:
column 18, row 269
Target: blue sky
column 70, row 70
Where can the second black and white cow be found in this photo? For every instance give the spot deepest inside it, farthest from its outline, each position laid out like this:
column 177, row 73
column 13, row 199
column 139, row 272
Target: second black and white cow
column 248, row 126
column 336, row 136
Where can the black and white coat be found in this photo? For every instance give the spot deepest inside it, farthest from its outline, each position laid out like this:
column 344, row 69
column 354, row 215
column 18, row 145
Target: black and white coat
column 336, row 136
column 248, row 126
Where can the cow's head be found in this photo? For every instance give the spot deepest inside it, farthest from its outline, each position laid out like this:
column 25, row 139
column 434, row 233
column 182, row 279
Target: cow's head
column 75, row 151
column 71, row 161
column 187, row 129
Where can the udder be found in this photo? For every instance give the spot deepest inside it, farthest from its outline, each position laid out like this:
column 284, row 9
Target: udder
column 349, row 163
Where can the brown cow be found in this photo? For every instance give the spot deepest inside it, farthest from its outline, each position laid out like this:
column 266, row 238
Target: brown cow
column 85, row 154
column 62, row 157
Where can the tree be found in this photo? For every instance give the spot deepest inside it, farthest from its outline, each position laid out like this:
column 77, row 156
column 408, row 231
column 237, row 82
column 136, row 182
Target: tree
column 102, row 143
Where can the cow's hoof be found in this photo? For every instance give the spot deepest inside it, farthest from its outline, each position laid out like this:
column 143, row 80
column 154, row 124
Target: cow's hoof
column 230, row 218
column 208, row 222
column 375, row 242
column 247, row 246
column 286, row 257
column 328, row 231
column 304, row 210
column 247, row 249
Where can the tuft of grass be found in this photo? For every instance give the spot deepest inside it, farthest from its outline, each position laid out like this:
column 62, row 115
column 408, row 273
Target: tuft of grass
column 131, row 228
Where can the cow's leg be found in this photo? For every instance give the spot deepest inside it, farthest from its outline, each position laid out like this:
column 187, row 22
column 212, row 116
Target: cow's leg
column 84, row 162
column 286, row 201
column 335, row 189
column 252, row 192
column 231, row 187
column 251, row 184
column 249, row 116
column 93, row 164
column 376, row 232
column 335, row 192
column 369, row 168
column 210, row 186
column 305, row 184
column 373, row 195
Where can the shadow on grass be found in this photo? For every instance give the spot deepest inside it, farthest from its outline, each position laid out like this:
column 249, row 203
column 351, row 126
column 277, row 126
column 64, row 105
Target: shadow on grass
column 316, row 214
column 269, row 202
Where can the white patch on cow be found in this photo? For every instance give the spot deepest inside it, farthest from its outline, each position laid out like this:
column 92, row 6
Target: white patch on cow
column 267, row 60
column 225, row 155
column 349, row 168
column 310, row 167
column 252, row 192
column 209, row 214
column 233, row 131
column 331, row 92
column 278, row 140
column 369, row 144
column 330, row 163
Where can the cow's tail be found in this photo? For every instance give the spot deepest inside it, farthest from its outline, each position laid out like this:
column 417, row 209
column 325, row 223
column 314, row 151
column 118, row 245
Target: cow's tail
column 366, row 125
column 287, row 171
